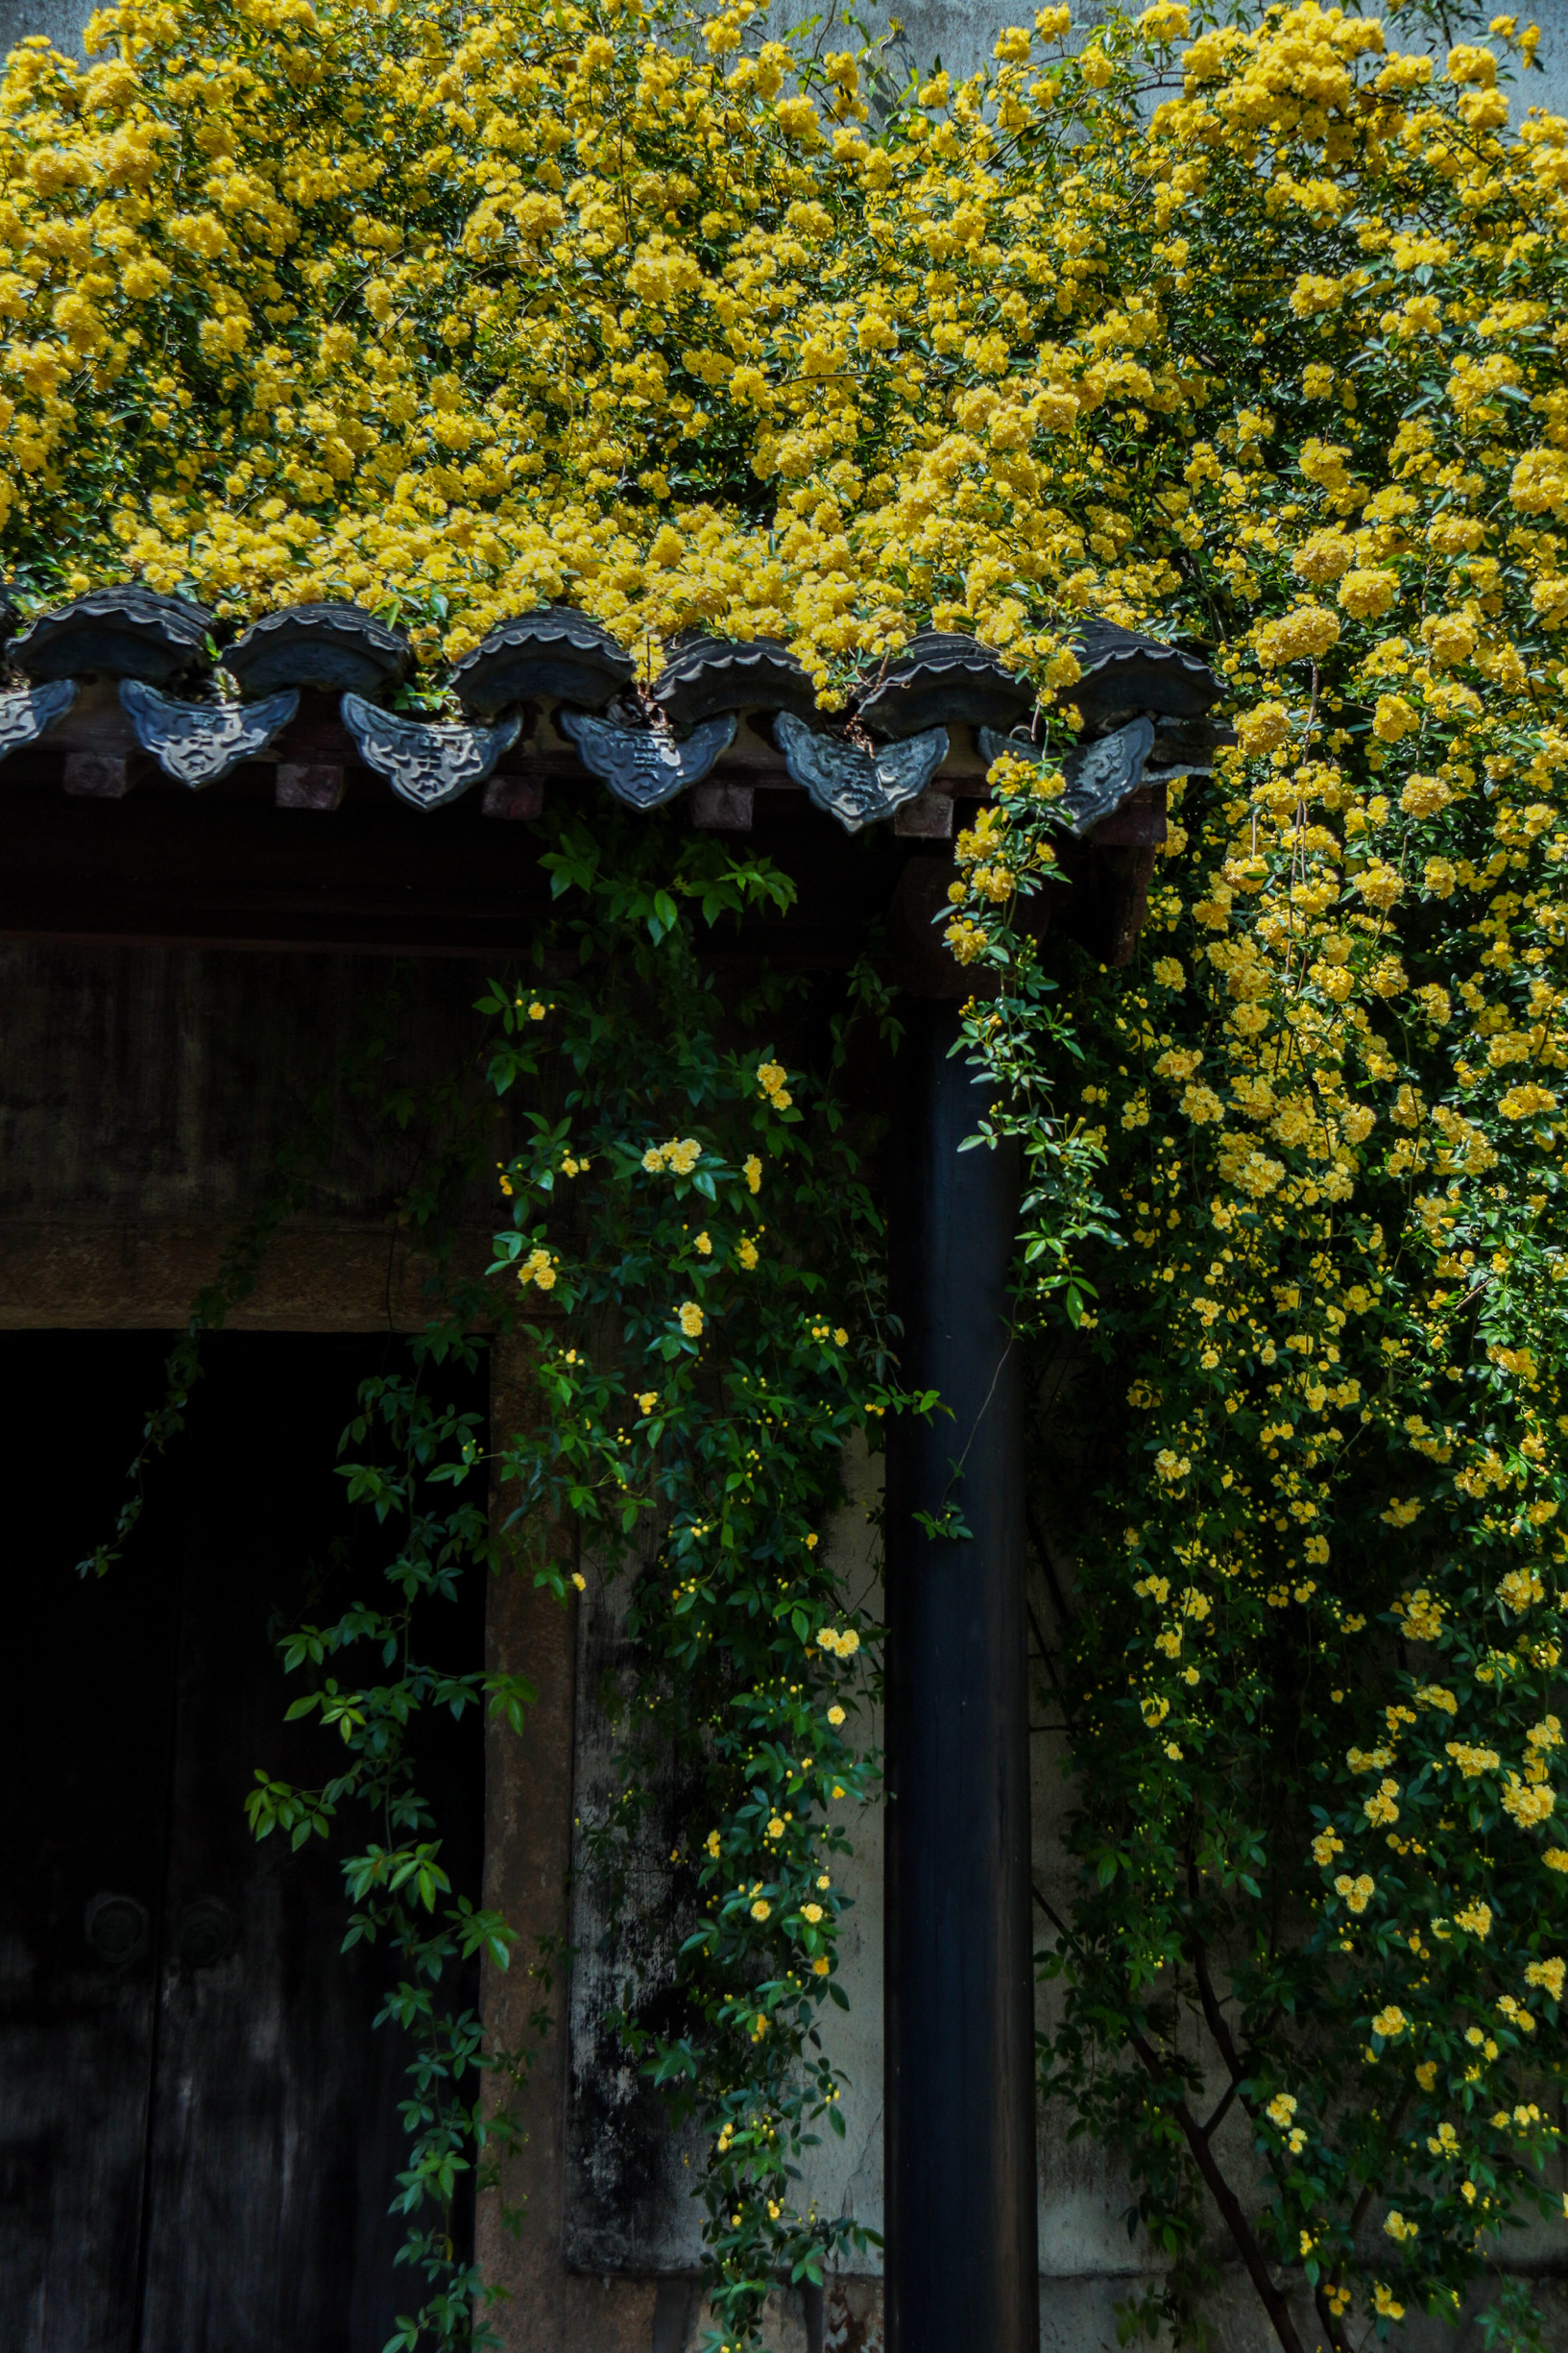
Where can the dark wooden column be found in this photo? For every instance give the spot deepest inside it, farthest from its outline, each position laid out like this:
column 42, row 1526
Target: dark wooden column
column 963, row 2266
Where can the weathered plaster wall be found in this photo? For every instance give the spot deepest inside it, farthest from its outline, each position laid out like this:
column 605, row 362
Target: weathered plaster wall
column 957, row 31
column 63, row 20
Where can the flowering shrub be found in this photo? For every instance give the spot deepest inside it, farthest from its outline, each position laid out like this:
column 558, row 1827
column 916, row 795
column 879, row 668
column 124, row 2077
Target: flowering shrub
column 453, row 315
column 457, row 314
column 1312, row 1669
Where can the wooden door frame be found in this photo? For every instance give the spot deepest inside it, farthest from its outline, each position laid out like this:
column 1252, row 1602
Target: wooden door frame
column 79, row 1274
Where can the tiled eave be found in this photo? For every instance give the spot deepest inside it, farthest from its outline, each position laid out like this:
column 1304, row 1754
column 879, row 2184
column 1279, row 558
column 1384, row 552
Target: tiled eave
column 136, row 802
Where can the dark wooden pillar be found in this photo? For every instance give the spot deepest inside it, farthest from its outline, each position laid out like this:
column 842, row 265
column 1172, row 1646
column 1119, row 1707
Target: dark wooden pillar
column 963, row 2266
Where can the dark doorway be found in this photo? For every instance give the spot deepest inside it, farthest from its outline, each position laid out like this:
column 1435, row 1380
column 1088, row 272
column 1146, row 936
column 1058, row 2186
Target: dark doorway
column 199, row 2128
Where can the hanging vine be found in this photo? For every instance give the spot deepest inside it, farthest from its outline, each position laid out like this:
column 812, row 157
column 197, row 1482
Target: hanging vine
column 692, row 1211
column 1311, row 1657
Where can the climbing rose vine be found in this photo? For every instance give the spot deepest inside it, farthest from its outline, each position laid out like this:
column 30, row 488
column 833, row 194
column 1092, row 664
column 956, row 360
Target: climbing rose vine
column 1311, row 1667
column 1251, row 336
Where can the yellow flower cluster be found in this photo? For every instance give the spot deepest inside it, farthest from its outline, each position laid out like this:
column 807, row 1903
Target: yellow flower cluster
column 1325, row 1105
column 680, row 1156
column 622, row 305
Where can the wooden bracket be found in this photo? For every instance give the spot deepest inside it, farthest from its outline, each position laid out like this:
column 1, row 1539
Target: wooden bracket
column 312, row 785
column 723, row 808
column 508, row 794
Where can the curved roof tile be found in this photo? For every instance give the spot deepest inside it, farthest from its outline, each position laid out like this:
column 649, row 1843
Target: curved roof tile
column 127, row 632
column 556, row 654
column 942, row 677
column 340, row 647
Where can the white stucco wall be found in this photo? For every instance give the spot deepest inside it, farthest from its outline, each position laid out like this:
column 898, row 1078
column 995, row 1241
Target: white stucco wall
column 959, row 34
column 61, row 20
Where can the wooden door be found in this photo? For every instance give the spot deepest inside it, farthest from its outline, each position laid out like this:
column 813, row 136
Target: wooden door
column 199, row 2128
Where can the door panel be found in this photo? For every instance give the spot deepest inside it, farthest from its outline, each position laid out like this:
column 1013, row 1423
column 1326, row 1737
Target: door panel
column 210, row 2172
column 85, row 1741
column 275, row 2133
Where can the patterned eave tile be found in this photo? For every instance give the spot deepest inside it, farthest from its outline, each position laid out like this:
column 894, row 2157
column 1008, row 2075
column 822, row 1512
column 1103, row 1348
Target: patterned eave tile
column 552, row 692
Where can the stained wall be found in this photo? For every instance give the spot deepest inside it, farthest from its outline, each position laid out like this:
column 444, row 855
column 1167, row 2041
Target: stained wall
column 958, row 33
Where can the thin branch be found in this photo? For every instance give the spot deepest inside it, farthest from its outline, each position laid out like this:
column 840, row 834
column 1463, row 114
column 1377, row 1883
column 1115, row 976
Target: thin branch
column 1233, row 2087
column 1359, row 2213
column 1326, row 2313
column 1213, row 2015
column 1055, row 1917
column 1225, row 2198
column 1056, row 1684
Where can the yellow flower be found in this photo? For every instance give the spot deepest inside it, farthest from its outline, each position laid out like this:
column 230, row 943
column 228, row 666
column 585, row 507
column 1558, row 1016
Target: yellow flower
column 762, row 1910
column 1473, row 1761
column 1382, row 1805
column 1393, row 718
column 1364, row 594
column 1527, row 1805
column 540, row 1267
column 752, row 1171
column 1304, row 634
column 691, row 1318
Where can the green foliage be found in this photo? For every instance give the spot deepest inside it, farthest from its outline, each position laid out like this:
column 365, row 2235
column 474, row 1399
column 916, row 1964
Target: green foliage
column 706, row 1252
column 418, row 1469
column 1312, row 1663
